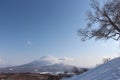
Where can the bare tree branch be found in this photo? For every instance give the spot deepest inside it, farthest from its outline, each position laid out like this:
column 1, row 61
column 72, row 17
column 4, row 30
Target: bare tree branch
column 104, row 21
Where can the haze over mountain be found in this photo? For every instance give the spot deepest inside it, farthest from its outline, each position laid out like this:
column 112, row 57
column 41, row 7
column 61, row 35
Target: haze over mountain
column 44, row 64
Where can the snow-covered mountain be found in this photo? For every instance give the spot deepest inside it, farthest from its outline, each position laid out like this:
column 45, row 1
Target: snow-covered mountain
column 44, row 64
column 107, row 71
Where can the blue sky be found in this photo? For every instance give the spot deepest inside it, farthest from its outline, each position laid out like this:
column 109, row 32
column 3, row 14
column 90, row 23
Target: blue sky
column 30, row 29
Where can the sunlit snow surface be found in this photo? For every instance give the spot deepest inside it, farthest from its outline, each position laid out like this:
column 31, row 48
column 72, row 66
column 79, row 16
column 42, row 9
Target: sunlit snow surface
column 107, row 71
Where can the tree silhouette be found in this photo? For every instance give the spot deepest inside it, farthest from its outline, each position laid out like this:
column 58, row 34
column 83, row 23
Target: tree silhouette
column 104, row 21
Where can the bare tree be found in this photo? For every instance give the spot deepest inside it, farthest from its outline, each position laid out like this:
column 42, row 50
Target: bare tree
column 104, row 21
column 105, row 60
column 76, row 70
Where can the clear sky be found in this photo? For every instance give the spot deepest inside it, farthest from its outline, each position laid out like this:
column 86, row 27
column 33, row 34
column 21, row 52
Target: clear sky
column 30, row 29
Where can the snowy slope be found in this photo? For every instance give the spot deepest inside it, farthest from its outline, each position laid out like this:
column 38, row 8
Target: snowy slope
column 107, row 71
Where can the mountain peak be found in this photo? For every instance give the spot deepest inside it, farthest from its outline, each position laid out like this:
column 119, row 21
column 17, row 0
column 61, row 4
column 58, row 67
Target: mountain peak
column 44, row 64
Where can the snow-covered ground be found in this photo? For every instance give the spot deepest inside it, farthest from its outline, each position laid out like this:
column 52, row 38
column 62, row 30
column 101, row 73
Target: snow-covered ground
column 107, row 71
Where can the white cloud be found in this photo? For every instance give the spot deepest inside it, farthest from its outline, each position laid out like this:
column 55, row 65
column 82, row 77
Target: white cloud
column 82, row 61
column 67, row 60
column 55, row 60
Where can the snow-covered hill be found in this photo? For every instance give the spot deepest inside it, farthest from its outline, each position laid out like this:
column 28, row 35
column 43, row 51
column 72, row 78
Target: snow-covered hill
column 44, row 64
column 107, row 71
